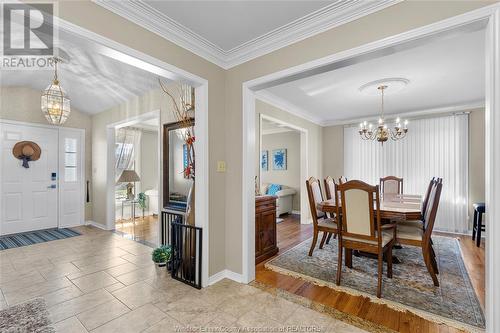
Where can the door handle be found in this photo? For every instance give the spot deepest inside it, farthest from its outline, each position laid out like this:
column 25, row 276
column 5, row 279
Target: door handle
column 52, row 186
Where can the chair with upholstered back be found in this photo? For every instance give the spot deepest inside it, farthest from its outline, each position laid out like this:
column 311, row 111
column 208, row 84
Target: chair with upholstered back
column 361, row 227
column 420, row 222
column 427, row 194
column 391, row 185
column 329, row 187
column 422, row 237
column 320, row 220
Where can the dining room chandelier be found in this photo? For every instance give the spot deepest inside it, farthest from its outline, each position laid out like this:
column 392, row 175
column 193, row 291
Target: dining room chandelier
column 55, row 101
column 382, row 132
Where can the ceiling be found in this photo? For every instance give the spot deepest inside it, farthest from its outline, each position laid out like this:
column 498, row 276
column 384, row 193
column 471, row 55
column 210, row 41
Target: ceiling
column 443, row 74
column 239, row 18
column 93, row 81
column 229, row 33
column 272, row 127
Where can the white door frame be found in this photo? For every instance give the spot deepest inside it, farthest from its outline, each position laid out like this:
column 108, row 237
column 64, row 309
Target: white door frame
column 82, row 161
column 304, row 167
column 489, row 14
column 160, row 68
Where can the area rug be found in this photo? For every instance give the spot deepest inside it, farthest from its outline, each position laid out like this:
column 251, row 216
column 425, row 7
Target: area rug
column 34, row 237
column 454, row 302
column 28, row 317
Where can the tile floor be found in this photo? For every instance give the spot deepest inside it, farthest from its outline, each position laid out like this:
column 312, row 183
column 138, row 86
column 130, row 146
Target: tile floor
column 101, row 282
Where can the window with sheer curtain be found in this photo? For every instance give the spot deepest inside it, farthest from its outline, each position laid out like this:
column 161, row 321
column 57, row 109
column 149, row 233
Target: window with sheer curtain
column 434, row 147
column 127, row 140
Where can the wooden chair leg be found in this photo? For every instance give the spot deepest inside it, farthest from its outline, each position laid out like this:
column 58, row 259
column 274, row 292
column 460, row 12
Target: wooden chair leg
column 428, row 264
column 389, row 261
column 380, row 267
column 474, row 225
column 479, row 227
column 313, row 244
column 329, row 237
column 339, row 263
column 323, row 239
column 434, row 260
column 348, row 258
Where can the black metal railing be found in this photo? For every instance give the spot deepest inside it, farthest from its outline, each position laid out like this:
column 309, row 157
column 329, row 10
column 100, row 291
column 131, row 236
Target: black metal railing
column 168, row 216
column 186, row 243
column 186, row 254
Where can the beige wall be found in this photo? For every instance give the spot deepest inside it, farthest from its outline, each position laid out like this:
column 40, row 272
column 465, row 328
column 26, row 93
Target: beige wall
column 476, row 159
column 149, row 160
column 225, row 91
column 314, row 139
column 333, row 151
column 23, row 104
column 291, row 176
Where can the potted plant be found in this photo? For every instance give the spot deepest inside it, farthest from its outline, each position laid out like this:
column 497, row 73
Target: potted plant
column 161, row 255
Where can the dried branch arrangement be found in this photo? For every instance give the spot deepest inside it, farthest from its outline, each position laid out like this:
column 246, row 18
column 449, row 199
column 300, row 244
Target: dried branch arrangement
column 182, row 97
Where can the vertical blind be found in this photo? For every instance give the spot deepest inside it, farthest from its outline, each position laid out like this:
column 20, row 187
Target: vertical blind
column 434, row 147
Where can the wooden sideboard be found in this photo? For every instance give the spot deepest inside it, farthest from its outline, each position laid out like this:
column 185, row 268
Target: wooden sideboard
column 265, row 227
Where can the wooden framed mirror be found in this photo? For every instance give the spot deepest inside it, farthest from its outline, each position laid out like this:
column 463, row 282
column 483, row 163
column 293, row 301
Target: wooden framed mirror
column 175, row 185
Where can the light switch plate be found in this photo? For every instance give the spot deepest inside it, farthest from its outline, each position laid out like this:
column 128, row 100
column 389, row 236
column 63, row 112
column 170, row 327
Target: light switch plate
column 221, row 166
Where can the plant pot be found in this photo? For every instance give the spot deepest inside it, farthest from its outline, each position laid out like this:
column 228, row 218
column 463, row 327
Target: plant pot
column 169, row 265
column 160, row 264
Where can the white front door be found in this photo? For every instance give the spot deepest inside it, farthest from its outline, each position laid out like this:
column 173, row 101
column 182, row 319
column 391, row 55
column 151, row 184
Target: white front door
column 29, row 195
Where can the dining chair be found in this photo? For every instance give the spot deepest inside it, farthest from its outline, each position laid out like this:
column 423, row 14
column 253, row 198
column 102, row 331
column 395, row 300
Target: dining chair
column 421, row 237
column 321, row 222
column 330, row 188
column 420, row 223
column 361, row 227
column 342, row 179
column 391, row 185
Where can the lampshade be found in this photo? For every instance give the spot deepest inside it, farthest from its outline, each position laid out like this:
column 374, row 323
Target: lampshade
column 128, row 176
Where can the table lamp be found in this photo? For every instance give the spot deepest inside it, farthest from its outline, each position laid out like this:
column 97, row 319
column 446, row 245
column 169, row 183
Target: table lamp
column 129, row 176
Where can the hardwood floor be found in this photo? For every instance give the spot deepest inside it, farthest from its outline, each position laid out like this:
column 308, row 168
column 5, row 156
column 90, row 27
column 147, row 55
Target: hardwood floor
column 144, row 230
column 291, row 233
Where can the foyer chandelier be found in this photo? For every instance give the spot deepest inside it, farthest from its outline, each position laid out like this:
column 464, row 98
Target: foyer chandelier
column 55, row 102
column 382, row 132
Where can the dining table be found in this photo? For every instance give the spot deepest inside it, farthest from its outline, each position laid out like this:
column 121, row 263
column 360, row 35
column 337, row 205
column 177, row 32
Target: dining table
column 394, row 208
column 397, row 207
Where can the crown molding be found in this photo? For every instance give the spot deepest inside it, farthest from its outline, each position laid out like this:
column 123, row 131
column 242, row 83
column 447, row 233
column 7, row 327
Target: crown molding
column 328, row 17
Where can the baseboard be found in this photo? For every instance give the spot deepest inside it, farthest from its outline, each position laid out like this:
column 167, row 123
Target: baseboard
column 95, row 224
column 296, row 212
column 225, row 274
